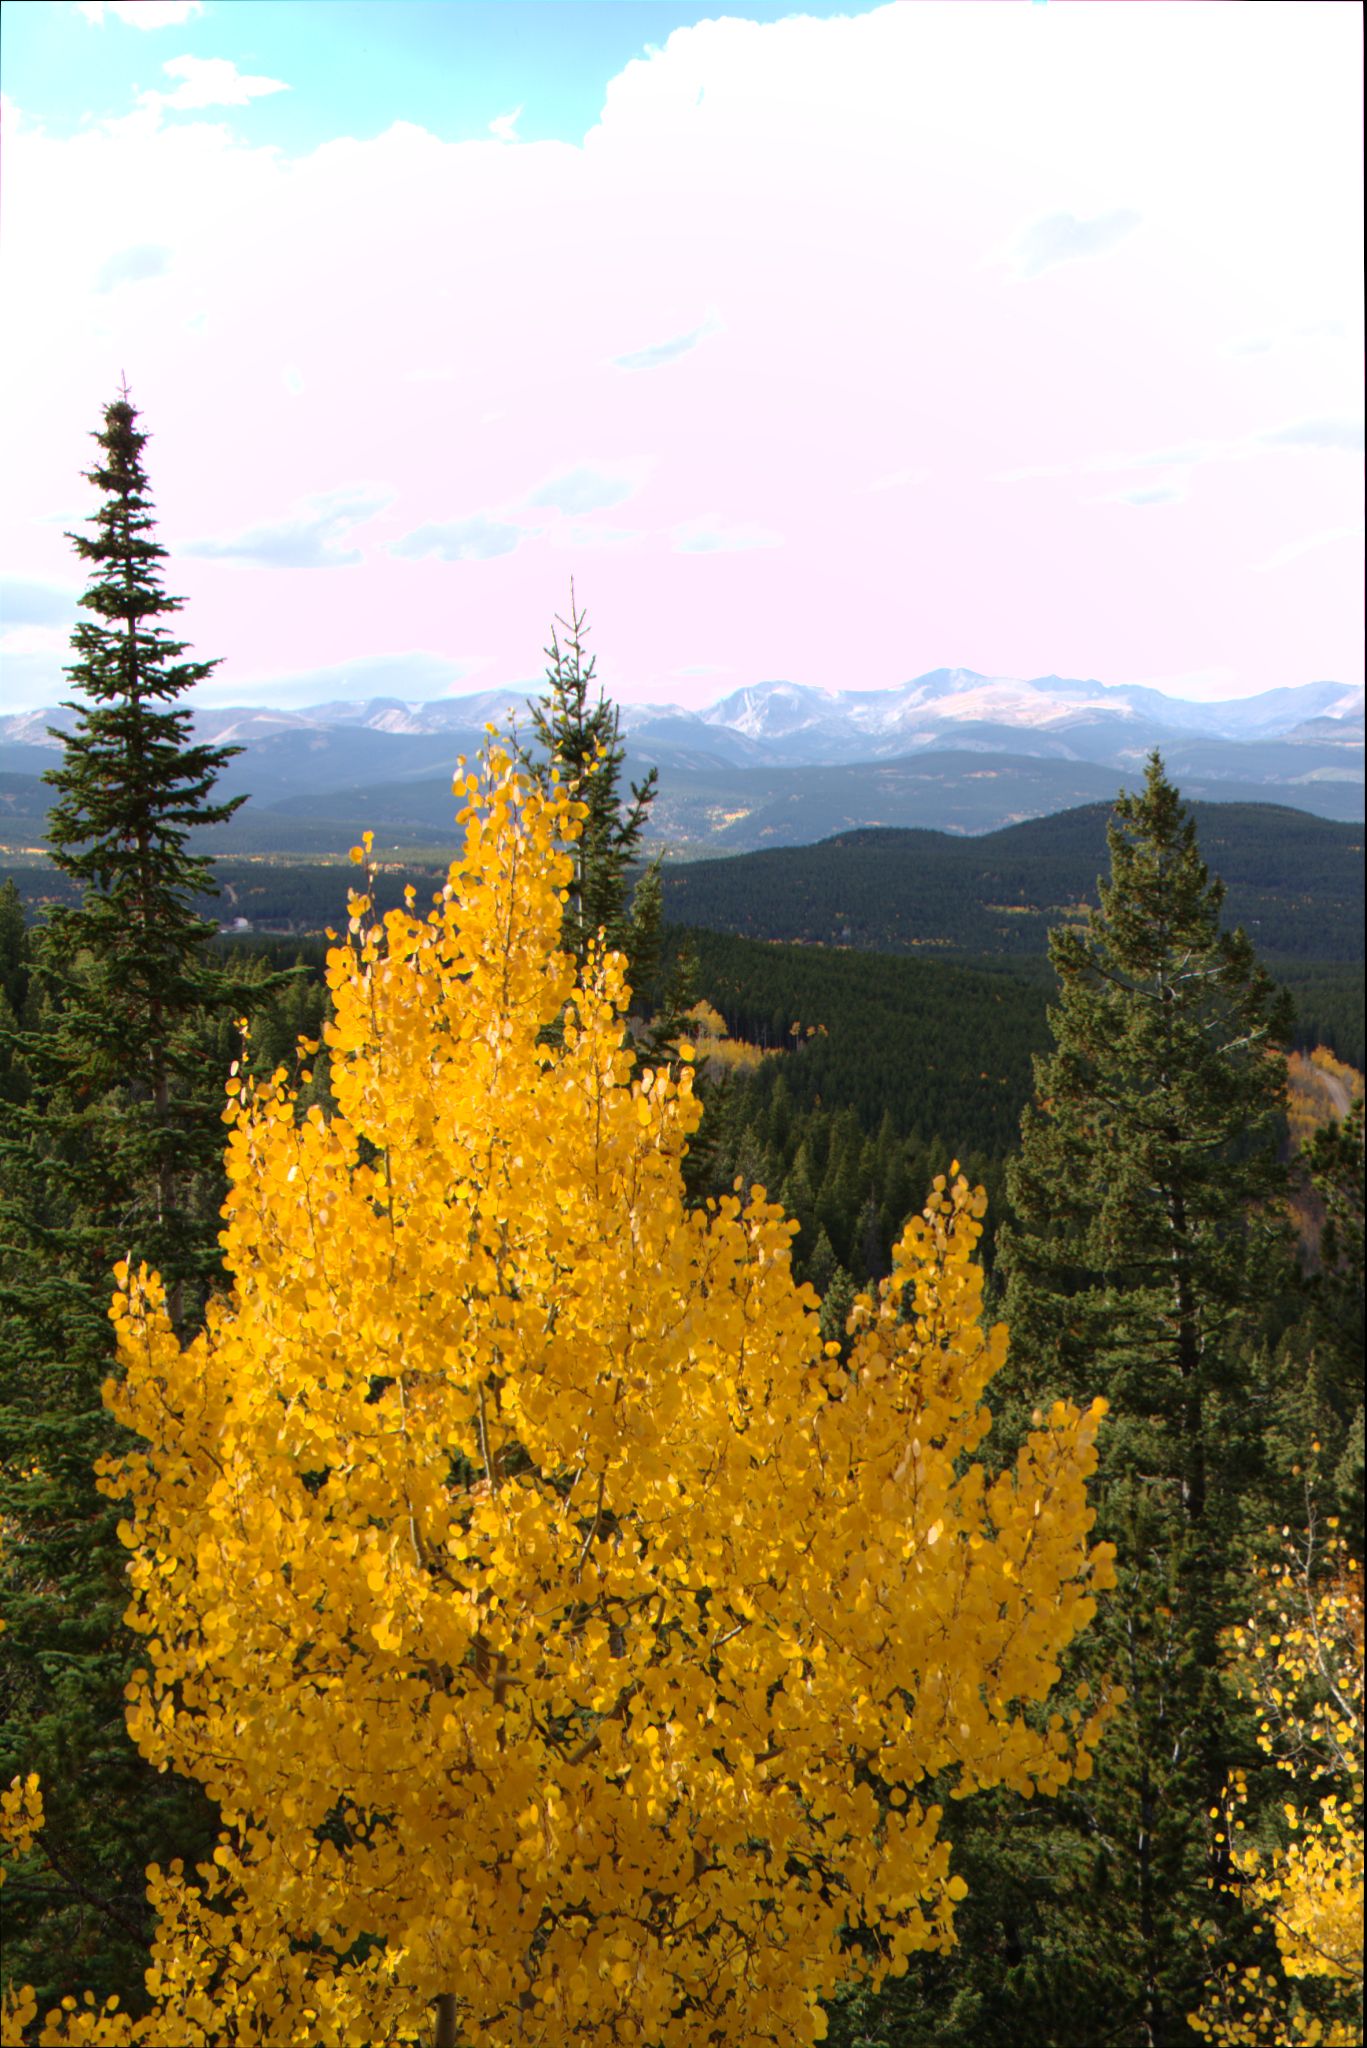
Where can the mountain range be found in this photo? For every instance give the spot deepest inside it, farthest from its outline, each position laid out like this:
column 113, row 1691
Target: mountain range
column 776, row 763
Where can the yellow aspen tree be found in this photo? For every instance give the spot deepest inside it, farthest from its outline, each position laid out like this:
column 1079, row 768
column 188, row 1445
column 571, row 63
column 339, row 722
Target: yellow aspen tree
column 1299, row 1656
column 21, row 1819
column 566, row 1634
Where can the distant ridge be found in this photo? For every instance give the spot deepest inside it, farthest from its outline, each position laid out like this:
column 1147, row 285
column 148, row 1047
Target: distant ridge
column 782, row 763
column 795, row 724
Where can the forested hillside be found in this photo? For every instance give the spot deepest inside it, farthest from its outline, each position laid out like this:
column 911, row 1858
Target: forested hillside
column 1294, row 882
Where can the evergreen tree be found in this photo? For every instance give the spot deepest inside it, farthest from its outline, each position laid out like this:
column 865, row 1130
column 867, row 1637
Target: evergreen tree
column 1335, row 1161
column 1145, row 1245
column 116, row 1150
column 15, row 978
column 581, row 739
column 1315, row 1378
column 1147, row 1233
column 1148, row 1166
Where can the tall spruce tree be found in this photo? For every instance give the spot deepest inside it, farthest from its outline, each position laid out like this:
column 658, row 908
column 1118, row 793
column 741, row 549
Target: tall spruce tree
column 580, row 737
column 1148, row 1230
column 113, row 1148
column 1144, row 1191
column 1144, row 1247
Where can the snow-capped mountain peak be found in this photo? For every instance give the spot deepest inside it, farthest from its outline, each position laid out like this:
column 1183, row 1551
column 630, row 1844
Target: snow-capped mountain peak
column 802, row 724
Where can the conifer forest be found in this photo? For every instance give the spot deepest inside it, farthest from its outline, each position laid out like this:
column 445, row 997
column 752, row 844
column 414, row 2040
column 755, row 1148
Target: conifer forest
column 571, row 1475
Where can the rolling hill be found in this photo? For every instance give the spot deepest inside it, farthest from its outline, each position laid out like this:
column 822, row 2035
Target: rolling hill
column 1294, row 882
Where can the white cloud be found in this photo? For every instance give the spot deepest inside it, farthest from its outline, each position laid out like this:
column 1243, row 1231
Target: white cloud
column 132, row 265
column 209, row 82
column 141, row 13
column 456, row 308
column 658, row 352
column 504, row 126
column 1343, row 434
column 898, row 478
column 586, row 488
column 33, row 680
column 312, row 537
column 582, row 536
column 34, row 639
column 478, row 539
column 1145, row 494
column 713, row 537
column 1338, row 434
column 1296, row 548
column 1287, row 337
column 1063, row 238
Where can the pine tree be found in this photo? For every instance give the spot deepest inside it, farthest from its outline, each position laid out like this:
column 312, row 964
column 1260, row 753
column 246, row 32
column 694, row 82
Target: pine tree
column 1335, row 1162
column 1144, row 1247
column 1148, row 1159
column 15, row 978
column 1147, row 1233
column 581, row 739
column 116, row 1149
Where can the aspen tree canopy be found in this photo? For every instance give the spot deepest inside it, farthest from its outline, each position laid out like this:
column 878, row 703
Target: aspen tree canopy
column 566, row 1634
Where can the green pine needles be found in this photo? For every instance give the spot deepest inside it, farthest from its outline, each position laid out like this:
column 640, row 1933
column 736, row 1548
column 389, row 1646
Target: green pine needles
column 1148, row 1245
column 1143, row 1260
column 128, row 965
column 581, row 739
column 111, row 1145
column 1145, row 1185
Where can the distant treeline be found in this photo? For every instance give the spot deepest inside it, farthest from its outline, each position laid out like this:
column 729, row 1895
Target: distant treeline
column 284, row 897
column 1294, row 882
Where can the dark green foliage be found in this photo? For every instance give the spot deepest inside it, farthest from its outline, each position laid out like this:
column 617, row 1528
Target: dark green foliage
column 1295, row 882
column 1148, row 1157
column 1310, row 1378
column 15, row 985
column 839, row 1123
column 943, row 1047
column 112, row 1146
column 1329, row 1005
column 1141, row 1263
column 1334, row 1160
column 579, row 740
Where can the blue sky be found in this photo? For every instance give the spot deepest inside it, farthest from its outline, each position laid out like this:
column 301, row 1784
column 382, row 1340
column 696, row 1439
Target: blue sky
column 355, row 66
column 836, row 345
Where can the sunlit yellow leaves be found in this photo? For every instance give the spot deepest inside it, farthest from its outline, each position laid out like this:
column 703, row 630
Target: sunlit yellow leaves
column 1300, row 1657
column 510, row 1549
column 21, row 1820
column 21, row 1816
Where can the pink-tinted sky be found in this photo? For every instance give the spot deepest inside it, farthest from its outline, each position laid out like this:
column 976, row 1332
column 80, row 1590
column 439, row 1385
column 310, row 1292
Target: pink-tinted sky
column 1020, row 337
